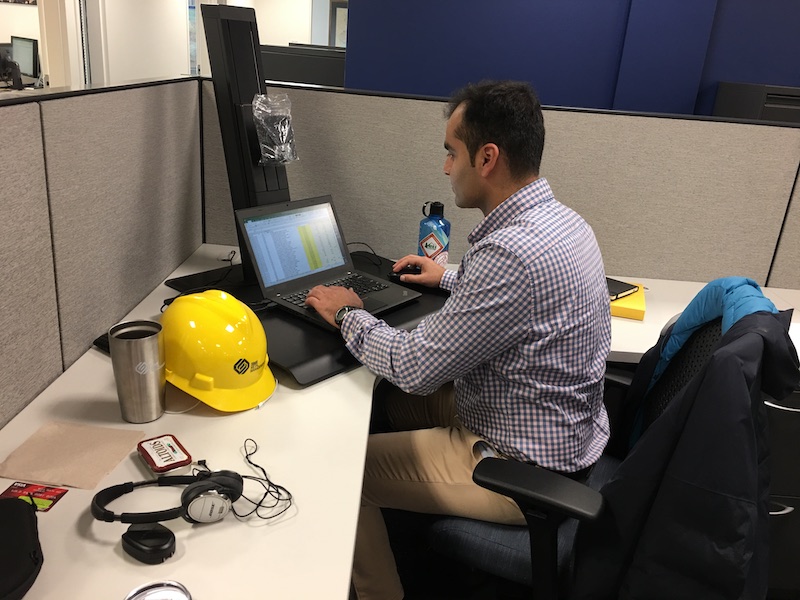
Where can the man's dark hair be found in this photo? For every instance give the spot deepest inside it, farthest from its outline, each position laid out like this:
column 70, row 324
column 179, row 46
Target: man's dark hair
column 505, row 113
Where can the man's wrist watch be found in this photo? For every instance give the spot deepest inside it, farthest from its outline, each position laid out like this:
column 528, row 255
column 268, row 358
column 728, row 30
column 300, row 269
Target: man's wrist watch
column 341, row 313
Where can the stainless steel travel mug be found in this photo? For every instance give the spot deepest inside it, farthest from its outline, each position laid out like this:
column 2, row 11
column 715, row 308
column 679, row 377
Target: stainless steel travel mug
column 137, row 356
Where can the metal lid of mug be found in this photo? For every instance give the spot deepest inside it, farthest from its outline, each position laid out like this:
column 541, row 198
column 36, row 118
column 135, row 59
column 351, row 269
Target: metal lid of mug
column 160, row 590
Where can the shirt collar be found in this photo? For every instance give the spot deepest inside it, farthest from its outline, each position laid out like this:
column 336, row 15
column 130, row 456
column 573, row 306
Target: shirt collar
column 526, row 198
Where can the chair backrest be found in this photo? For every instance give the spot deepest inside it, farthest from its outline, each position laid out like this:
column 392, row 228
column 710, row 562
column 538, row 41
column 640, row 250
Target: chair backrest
column 688, row 507
column 646, row 401
column 683, row 367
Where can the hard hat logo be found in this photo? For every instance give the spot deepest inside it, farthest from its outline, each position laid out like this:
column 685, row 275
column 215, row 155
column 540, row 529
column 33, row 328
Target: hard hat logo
column 242, row 366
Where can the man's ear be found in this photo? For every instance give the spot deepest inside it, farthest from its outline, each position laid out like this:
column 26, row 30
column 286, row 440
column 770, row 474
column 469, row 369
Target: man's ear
column 487, row 158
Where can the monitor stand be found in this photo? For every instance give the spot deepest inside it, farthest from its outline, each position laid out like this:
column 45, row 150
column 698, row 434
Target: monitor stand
column 238, row 280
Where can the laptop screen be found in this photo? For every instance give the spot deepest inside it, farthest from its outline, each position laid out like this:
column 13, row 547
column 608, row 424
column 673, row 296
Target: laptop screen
column 294, row 243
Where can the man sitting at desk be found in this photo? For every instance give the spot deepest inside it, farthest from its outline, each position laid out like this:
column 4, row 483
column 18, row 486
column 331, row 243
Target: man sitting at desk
column 10, row 70
column 524, row 337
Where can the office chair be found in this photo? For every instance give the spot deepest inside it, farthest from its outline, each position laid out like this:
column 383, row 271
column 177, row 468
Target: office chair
column 613, row 537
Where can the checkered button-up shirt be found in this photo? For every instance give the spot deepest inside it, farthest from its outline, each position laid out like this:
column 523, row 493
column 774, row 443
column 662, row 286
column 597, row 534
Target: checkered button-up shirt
column 524, row 335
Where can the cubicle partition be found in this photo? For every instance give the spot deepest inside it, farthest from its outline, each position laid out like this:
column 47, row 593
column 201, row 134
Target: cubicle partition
column 669, row 198
column 101, row 200
column 106, row 192
column 30, row 348
column 124, row 185
column 685, row 199
column 785, row 271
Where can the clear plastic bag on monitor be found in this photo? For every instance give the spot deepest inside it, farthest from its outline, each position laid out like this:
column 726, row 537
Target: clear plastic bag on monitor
column 273, row 118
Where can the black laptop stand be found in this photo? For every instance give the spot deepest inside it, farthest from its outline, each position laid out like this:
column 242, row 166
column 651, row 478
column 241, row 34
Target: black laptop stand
column 307, row 352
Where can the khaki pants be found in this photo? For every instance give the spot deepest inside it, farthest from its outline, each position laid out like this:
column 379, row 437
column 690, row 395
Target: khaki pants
column 426, row 466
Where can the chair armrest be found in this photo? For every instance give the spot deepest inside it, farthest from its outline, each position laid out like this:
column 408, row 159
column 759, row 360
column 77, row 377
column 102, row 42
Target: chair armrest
column 619, row 377
column 532, row 487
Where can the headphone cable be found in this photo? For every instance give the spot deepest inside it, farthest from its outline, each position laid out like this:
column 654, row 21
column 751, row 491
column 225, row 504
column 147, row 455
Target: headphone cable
column 275, row 496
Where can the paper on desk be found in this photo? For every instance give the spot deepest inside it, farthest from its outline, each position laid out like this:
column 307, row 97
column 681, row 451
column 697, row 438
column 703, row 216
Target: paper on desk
column 69, row 454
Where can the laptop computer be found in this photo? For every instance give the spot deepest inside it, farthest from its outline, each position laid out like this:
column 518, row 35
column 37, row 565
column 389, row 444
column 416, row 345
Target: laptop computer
column 299, row 244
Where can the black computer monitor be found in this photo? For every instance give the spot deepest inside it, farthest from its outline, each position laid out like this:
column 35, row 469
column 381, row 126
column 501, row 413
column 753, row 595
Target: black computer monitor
column 237, row 75
column 25, row 52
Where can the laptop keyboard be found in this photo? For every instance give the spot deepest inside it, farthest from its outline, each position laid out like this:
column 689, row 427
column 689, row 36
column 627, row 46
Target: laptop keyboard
column 359, row 284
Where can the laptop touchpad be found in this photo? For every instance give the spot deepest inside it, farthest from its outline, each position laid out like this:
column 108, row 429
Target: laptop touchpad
column 371, row 304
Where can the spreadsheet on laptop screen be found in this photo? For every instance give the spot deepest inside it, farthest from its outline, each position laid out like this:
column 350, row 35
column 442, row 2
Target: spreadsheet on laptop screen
column 295, row 243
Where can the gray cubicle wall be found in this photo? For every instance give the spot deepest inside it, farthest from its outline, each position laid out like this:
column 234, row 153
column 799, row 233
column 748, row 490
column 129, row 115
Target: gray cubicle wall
column 381, row 158
column 671, row 198
column 124, row 180
column 786, row 266
column 220, row 227
column 101, row 200
column 30, row 350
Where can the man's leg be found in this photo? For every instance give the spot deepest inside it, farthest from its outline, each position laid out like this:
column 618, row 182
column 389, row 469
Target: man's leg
column 421, row 470
column 395, row 410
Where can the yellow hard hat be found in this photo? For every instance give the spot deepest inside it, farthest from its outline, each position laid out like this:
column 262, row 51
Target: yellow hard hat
column 215, row 349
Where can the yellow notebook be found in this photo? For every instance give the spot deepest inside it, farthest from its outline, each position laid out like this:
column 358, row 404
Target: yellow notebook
column 631, row 306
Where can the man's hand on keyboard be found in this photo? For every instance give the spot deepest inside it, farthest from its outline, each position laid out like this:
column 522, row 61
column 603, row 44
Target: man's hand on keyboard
column 327, row 300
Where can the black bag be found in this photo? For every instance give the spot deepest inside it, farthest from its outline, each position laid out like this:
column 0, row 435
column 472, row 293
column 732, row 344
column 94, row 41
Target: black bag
column 20, row 552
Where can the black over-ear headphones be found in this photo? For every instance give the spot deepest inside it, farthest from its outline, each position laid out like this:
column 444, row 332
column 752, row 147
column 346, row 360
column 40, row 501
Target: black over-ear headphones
column 207, row 498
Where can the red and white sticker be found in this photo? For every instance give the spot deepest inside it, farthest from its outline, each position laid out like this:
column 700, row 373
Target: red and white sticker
column 42, row 496
column 431, row 245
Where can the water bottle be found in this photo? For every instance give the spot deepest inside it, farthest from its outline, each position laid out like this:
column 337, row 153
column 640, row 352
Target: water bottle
column 434, row 233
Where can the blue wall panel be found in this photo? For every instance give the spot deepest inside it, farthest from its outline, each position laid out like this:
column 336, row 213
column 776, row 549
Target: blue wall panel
column 568, row 49
column 754, row 41
column 662, row 60
column 635, row 55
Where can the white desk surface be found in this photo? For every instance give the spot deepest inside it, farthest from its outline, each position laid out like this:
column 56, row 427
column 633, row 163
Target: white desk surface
column 787, row 297
column 783, row 299
column 663, row 300
column 311, row 440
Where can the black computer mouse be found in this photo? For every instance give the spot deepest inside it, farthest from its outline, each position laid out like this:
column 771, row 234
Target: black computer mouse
column 409, row 270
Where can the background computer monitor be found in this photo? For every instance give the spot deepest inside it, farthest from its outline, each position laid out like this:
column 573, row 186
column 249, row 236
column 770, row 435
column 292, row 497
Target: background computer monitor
column 304, row 63
column 25, row 52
